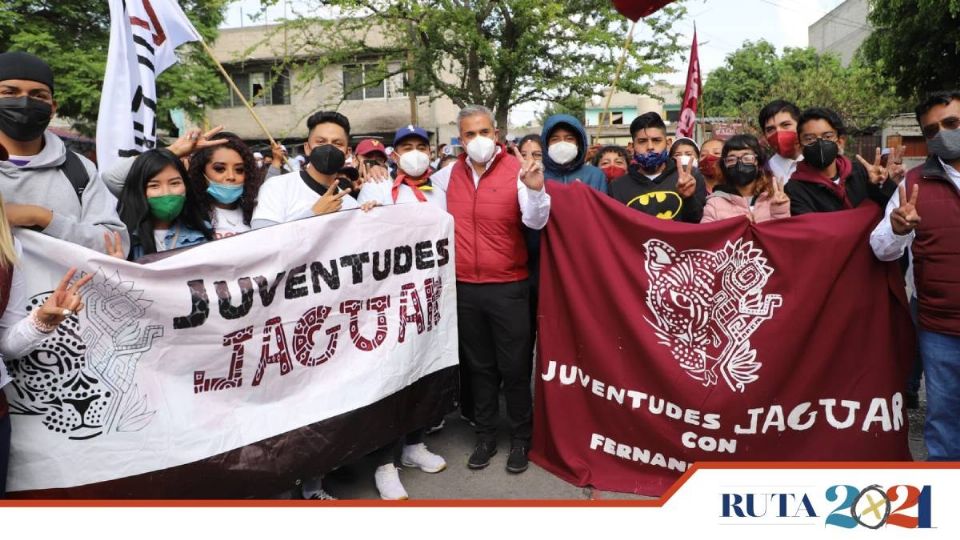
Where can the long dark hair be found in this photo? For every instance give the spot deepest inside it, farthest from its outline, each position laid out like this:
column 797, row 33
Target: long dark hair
column 745, row 141
column 252, row 176
column 133, row 207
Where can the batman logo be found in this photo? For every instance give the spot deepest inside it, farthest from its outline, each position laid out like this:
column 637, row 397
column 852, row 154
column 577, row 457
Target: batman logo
column 662, row 204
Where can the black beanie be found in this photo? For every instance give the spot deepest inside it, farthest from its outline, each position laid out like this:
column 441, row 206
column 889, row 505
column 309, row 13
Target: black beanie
column 25, row 66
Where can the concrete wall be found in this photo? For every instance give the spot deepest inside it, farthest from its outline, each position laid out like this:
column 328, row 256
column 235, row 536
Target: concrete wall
column 842, row 30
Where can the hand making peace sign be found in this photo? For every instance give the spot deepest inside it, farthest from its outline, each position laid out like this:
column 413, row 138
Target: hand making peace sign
column 64, row 302
column 905, row 218
column 686, row 183
column 779, row 195
column 331, row 201
column 531, row 171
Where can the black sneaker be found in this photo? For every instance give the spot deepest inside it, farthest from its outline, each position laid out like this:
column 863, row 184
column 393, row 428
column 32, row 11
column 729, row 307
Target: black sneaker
column 482, row 453
column 517, row 461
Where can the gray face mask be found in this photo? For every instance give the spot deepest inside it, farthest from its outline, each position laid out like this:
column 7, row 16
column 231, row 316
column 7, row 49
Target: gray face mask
column 946, row 144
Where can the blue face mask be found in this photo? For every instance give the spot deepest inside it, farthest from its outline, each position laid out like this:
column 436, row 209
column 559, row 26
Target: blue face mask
column 225, row 193
column 651, row 160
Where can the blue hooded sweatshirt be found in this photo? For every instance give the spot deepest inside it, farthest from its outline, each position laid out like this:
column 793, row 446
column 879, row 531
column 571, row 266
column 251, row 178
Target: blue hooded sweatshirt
column 576, row 169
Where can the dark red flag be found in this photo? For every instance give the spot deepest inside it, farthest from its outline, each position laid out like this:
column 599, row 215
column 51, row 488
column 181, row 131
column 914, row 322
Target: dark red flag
column 688, row 114
column 663, row 343
column 637, row 9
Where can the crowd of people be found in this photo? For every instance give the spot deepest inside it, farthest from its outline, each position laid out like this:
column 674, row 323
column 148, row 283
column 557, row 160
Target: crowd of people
column 209, row 185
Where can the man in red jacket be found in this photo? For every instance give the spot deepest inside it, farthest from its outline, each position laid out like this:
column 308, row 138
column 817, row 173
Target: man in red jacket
column 491, row 195
column 926, row 222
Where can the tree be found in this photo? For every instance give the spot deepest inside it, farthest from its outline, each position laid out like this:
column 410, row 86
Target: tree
column 916, row 43
column 497, row 53
column 574, row 105
column 73, row 37
column 754, row 75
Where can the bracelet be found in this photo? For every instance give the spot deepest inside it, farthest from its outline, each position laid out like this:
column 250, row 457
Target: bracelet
column 40, row 325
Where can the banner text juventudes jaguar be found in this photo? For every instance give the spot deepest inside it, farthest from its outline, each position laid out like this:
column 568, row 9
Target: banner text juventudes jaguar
column 239, row 366
column 662, row 343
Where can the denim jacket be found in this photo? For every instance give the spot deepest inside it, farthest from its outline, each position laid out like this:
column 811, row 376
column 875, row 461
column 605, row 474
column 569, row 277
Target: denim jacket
column 177, row 236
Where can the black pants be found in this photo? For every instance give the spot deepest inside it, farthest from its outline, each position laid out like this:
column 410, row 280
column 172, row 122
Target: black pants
column 4, row 450
column 494, row 326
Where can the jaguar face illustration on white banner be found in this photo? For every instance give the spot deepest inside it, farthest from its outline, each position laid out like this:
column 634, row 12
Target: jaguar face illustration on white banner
column 707, row 304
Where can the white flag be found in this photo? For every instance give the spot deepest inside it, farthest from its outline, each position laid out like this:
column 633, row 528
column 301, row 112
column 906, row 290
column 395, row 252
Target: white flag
column 143, row 37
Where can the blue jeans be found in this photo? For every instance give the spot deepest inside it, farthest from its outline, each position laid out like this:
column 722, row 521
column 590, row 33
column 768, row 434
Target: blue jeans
column 941, row 364
column 4, row 450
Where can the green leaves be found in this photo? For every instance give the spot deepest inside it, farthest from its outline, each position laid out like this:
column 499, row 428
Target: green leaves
column 495, row 53
column 916, row 43
column 755, row 74
column 73, row 37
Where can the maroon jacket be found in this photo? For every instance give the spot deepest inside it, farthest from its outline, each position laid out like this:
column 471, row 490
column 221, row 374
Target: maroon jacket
column 936, row 248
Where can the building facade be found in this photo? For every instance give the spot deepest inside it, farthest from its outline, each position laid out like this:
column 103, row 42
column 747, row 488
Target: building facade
column 284, row 98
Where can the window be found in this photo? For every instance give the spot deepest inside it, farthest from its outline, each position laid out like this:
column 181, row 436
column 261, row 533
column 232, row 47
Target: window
column 260, row 86
column 673, row 115
column 371, row 81
column 615, row 118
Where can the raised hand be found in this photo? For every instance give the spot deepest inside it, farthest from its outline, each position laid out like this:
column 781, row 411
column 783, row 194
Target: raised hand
column 279, row 155
column 195, row 140
column 531, row 171
column 877, row 173
column 895, row 169
column 905, row 218
column 372, row 173
column 114, row 245
column 779, row 194
column 331, row 201
column 64, row 302
column 686, row 183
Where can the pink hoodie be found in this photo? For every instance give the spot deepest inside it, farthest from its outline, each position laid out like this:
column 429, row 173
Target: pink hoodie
column 725, row 205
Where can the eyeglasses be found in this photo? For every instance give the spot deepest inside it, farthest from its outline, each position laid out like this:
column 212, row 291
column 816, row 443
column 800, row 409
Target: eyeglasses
column 810, row 138
column 748, row 159
column 930, row 130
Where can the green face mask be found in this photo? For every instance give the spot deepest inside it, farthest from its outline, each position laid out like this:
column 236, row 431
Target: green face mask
column 166, row 207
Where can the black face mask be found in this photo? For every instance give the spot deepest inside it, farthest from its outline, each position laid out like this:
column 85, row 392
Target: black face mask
column 740, row 174
column 23, row 118
column 820, row 154
column 327, row 159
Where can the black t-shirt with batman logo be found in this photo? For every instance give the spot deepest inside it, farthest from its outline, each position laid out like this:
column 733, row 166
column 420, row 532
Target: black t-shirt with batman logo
column 658, row 196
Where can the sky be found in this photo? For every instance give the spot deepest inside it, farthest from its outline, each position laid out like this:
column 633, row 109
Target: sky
column 722, row 26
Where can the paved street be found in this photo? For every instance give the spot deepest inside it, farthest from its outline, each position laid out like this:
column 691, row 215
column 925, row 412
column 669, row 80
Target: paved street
column 455, row 442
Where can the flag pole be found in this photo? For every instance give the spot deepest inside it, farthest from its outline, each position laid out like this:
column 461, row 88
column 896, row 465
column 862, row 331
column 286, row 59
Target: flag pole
column 616, row 80
column 239, row 94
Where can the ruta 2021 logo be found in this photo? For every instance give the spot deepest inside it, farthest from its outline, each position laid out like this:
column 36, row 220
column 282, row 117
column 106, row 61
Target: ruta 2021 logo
column 849, row 506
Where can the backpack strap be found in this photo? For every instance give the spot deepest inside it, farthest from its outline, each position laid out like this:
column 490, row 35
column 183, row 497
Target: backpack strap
column 75, row 171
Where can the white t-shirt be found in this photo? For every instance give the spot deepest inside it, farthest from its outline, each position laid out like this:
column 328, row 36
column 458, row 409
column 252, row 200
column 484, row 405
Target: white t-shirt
column 228, row 222
column 287, row 198
column 382, row 192
column 159, row 238
column 782, row 167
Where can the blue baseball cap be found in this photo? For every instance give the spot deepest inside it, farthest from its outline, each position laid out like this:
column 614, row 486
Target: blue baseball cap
column 411, row 131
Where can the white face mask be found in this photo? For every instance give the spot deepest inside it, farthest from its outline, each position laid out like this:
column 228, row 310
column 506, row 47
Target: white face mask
column 481, row 149
column 414, row 163
column 562, row 152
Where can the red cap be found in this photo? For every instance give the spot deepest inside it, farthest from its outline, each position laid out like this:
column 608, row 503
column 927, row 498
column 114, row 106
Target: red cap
column 369, row 146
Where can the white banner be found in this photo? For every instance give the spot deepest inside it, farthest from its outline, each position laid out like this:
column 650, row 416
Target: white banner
column 229, row 343
column 143, row 37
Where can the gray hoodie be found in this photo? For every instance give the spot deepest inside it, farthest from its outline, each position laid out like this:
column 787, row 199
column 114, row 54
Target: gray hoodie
column 42, row 183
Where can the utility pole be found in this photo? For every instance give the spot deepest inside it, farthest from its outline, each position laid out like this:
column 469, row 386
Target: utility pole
column 411, row 93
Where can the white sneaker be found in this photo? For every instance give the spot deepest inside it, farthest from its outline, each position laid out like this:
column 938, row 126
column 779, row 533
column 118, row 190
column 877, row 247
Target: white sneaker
column 387, row 478
column 417, row 455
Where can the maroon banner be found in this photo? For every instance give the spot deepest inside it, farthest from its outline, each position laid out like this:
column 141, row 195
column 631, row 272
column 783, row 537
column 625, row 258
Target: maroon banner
column 637, row 9
column 691, row 95
column 664, row 343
